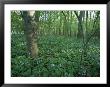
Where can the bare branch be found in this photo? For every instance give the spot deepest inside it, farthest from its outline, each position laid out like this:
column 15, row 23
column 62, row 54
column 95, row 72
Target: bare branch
column 76, row 13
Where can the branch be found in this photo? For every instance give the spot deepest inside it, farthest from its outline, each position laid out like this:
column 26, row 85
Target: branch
column 94, row 27
column 21, row 12
column 76, row 14
column 91, row 36
column 63, row 14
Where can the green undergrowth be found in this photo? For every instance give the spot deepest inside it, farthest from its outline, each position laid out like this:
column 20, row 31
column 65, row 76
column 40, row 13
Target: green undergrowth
column 59, row 56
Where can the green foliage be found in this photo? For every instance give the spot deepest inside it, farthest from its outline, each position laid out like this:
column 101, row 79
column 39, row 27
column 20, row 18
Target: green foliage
column 59, row 56
column 61, row 52
column 16, row 21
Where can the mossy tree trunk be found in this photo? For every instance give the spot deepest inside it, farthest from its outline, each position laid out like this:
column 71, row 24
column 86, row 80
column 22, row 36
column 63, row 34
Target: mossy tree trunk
column 30, row 32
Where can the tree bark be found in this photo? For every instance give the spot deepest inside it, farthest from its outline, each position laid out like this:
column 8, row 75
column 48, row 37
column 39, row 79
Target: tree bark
column 30, row 32
column 80, row 26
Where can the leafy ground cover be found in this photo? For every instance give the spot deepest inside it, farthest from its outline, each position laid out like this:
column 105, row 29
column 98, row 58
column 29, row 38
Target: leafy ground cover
column 59, row 56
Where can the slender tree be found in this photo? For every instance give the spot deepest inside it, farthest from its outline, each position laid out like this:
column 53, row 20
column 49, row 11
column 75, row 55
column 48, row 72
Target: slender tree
column 80, row 19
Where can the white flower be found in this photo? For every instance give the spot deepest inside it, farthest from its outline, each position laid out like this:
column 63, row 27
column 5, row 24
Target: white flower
column 52, row 65
column 80, row 50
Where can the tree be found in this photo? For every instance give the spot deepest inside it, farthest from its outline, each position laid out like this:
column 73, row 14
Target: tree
column 30, row 32
column 80, row 19
column 65, row 24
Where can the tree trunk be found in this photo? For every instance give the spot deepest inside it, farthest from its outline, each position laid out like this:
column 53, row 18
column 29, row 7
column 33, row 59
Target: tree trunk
column 30, row 32
column 80, row 26
column 80, row 31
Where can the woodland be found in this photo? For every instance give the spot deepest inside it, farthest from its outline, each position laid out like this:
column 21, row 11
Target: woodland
column 55, row 43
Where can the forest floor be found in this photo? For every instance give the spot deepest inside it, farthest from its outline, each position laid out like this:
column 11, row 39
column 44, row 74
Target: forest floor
column 59, row 56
